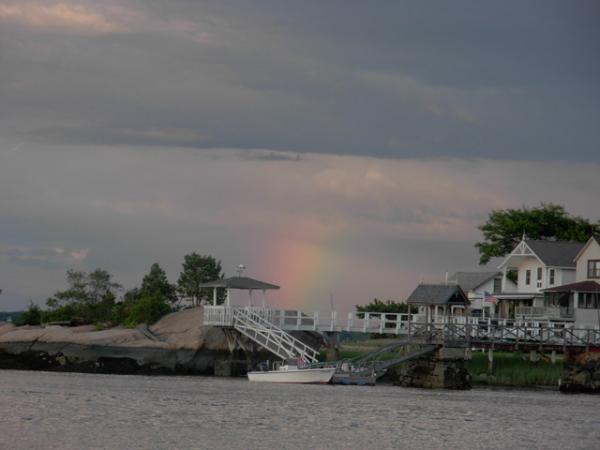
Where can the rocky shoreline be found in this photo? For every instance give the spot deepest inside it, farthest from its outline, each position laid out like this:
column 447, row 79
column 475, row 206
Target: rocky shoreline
column 176, row 344
column 581, row 373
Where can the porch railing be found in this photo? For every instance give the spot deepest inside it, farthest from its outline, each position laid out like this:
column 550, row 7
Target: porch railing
column 544, row 312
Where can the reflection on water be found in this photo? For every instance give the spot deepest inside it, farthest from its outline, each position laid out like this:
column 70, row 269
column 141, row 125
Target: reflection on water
column 77, row 411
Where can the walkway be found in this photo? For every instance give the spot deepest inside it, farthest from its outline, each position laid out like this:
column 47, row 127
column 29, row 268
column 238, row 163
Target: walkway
column 465, row 330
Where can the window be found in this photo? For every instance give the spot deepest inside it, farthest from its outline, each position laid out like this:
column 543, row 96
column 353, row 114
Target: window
column 593, row 268
column 551, row 276
column 528, row 277
column 497, row 285
column 539, row 274
column 588, row 300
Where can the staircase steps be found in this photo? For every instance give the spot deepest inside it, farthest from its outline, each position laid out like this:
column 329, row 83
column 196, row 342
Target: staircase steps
column 271, row 337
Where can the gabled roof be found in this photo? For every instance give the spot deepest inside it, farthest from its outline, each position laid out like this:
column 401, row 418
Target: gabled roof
column 243, row 283
column 468, row 281
column 555, row 253
column 549, row 253
column 581, row 286
column 595, row 237
column 437, row 294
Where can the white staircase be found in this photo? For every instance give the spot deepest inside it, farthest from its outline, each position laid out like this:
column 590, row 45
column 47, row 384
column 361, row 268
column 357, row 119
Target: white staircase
column 271, row 337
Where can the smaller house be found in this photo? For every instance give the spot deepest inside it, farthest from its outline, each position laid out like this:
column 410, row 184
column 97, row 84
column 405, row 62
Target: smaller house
column 436, row 301
column 480, row 288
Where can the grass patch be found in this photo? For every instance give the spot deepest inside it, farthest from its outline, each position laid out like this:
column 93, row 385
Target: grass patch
column 514, row 369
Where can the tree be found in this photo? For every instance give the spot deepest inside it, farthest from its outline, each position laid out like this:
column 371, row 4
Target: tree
column 156, row 283
column 101, row 286
column 32, row 315
column 504, row 228
column 89, row 298
column 388, row 306
column 148, row 309
column 198, row 269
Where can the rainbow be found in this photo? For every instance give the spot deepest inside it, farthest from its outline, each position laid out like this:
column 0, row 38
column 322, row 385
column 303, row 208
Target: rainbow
column 304, row 267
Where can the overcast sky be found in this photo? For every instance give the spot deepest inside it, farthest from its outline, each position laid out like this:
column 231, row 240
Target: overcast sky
column 335, row 148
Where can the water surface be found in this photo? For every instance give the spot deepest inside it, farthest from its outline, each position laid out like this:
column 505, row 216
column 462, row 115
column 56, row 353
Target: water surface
column 45, row 410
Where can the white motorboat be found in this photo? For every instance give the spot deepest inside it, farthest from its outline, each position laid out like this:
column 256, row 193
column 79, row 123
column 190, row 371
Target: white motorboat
column 291, row 373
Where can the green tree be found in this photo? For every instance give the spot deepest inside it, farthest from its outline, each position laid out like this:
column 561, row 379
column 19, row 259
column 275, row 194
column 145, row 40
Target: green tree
column 89, row 298
column 147, row 309
column 32, row 315
column 156, row 283
column 387, row 306
column 100, row 286
column 198, row 269
column 504, row 228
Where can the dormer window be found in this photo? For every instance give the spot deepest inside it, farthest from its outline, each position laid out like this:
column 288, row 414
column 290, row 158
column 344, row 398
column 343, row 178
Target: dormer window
column 593, row 268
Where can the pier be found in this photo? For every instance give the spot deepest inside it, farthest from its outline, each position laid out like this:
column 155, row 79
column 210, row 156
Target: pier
column 435, row 346
column 443, row 329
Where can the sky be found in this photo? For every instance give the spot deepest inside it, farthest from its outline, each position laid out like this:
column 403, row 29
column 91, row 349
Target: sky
column 340, row 149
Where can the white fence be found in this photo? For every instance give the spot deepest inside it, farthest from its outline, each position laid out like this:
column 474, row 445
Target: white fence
column 440, row 328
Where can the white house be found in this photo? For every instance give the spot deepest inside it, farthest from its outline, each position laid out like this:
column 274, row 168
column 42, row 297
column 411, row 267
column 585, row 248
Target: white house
column 481, row 288
column 538, row 265
column 583, row 295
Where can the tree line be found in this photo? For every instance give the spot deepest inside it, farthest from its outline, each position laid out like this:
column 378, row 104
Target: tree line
column 96, row 298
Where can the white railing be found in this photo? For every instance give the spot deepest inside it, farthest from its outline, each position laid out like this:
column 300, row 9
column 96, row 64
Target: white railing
column 543, row 312
column 528, row 327
column 266, row 334
column 283, row 318
column 370, row 322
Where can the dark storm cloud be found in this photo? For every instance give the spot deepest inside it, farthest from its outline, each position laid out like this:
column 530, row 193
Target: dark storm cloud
column 503, row 80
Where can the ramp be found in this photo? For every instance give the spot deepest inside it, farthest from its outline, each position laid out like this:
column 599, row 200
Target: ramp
column 381, row 366
column 362, row 359
column 271, row 337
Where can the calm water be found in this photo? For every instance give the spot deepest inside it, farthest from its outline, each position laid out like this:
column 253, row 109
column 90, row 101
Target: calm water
column 78, row 411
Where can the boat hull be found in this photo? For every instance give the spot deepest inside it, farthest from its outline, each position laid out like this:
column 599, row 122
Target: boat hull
column 297, row 376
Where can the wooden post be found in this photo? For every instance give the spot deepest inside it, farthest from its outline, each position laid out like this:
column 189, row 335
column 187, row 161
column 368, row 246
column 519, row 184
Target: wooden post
column 215, row 296
column 553, row 357
column 491, row 360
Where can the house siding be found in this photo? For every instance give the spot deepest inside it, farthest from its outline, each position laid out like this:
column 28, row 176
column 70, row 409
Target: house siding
column 588, row 318
column 532, row 264
column 592, row 252
column 476, row 296
column 567, row 276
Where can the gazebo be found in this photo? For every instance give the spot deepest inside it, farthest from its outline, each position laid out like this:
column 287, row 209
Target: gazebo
column 439, row 299
column 239, row 283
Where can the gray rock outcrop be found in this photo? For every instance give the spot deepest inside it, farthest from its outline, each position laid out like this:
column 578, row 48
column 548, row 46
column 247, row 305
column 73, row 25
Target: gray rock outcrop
column 177, row 343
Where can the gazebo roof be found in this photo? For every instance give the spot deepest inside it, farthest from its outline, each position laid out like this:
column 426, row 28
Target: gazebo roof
column 438, row 294
column 242, row 283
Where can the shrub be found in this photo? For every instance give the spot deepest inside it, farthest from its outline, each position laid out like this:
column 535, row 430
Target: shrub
column 32, row 315
column 148, row 309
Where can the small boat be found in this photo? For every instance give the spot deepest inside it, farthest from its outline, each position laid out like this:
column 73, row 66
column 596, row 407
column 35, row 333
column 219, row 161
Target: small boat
column 292, row 373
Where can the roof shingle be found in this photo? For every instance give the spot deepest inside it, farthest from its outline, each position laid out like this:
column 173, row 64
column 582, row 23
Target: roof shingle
column 468, row 281
column 555, row 253
column 437, row 294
